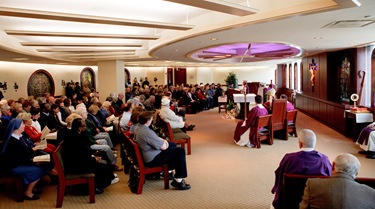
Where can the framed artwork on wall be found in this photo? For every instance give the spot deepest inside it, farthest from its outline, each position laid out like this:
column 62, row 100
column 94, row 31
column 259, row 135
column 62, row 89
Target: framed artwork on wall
column 345, row 80
column 40, row 83
column 87, row 80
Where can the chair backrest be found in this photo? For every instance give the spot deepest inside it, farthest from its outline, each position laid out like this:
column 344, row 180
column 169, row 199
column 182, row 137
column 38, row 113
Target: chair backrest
column 291, row 115
column 294, row 185
column 59, row 163
column 278, row 114
column 136, row 155
column 166, row 128
column 263, row 121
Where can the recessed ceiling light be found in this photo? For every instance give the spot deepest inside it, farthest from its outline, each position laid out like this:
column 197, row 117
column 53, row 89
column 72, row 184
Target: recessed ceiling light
column 214, row 39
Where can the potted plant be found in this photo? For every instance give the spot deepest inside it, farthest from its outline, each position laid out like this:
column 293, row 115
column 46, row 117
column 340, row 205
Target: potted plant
column 231, row 80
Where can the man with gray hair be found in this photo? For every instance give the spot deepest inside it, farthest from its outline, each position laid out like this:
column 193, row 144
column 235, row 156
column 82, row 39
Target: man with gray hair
column 340, row 191
column 307, row 161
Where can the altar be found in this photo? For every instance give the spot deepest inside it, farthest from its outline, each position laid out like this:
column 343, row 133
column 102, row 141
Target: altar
column 240, row 98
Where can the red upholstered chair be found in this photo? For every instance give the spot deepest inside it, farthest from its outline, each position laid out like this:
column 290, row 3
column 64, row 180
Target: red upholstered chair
column 263, row 125
column 141, row 170
column 70, row 179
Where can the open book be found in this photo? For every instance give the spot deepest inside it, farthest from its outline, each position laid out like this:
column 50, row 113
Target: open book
column 111, row 118
column 43, row 140
column 109, row 128
column 42, row 158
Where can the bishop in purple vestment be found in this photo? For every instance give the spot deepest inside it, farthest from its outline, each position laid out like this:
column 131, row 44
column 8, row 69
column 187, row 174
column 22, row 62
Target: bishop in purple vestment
column 307, row 161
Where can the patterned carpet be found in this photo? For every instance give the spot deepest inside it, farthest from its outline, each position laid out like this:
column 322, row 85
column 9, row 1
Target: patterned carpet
column 222, row 174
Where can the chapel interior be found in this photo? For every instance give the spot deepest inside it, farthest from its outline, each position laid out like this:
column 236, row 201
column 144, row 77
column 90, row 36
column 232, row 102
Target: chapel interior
column 320, row 53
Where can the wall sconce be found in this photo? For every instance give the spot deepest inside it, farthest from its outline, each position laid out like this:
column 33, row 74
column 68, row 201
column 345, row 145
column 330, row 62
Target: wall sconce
column 15, row 86
column 63, row 83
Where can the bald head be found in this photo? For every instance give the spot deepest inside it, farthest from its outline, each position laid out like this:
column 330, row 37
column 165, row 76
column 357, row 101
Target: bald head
column 346, row 163
column 307, row 138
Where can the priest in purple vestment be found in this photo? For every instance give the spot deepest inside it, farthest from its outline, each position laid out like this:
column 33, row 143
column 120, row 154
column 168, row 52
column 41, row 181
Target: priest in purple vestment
column 289, row 106
column 244, row 135
column 366, row 141
column 307, row 161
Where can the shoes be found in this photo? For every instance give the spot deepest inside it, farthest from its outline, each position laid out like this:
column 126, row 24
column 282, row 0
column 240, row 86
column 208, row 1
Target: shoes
column 99, row 191
column 249, row 145
column 115, row 180
column 371, row 155
column 180, row 186
column 170, row 175
column 37, row 191
column 364, row 152
column 190, row 128
column 34, row 197
column 118, row 168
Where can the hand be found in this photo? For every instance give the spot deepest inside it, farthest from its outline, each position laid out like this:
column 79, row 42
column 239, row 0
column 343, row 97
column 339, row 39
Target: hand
column 97, row 158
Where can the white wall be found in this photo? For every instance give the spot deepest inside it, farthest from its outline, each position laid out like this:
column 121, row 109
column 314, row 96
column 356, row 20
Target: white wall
column 251, row 74
column 11, row 72
column 150, row 73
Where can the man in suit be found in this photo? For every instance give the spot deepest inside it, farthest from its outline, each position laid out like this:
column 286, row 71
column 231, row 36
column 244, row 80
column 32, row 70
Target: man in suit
column 307, row 161
column 340, row 191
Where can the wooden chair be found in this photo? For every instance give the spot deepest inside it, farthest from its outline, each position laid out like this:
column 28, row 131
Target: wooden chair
column 263, row 125
column 70, row 179
column 126, row 157
column 278, row 118
column 290, row 121
column 15, row 181
column 142, row 170
column 177, row 136
column 294, row 185
column 222, row 103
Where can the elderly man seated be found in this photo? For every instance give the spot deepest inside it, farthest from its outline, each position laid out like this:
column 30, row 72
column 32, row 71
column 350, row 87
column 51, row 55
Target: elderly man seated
column 306, row 161
column 340, row 191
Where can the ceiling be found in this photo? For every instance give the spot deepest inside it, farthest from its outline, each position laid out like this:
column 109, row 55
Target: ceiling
column 180, row 32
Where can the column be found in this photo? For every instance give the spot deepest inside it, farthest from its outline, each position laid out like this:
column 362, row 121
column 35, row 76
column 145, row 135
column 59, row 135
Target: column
column 111, row 78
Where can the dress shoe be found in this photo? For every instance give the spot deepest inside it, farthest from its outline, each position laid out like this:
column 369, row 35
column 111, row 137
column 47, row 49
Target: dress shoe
column 364, row 152
column 189, row 128
column 180, row 186
column 99, row 191
column 371, row 155
column 37, row 191
column 117, row 168
column 34, row 197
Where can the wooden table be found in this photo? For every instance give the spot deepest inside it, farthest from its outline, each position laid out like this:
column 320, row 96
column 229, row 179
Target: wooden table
column 240, row 98
column 355, row 122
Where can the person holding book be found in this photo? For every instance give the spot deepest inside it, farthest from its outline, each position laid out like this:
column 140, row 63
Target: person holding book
column 80, row 158
column 33, row 133
column 17, row 157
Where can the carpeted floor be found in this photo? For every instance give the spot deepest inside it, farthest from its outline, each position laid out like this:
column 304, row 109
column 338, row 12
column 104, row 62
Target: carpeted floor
column 222, row 175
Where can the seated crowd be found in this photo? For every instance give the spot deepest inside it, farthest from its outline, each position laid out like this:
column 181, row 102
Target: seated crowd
column 88, row 128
